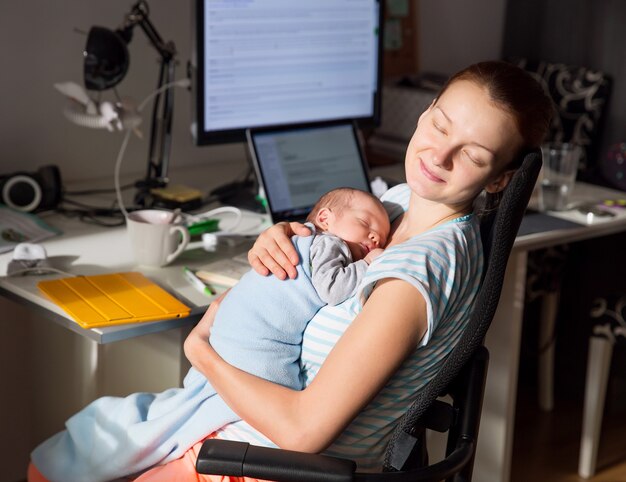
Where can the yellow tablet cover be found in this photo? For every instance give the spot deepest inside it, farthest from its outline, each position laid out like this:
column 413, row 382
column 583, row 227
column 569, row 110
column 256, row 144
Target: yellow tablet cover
column 113, row 299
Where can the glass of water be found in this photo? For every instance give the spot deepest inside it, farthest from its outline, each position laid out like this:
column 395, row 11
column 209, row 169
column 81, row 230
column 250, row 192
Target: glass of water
column 560, row 165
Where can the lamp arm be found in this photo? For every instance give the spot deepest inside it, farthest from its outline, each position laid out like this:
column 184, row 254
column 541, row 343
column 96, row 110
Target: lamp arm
column 139, row 15
column 163, row 108
column 161, row 129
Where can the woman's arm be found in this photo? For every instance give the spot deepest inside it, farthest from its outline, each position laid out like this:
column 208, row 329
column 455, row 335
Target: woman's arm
column 273, row 250
column 362, row 361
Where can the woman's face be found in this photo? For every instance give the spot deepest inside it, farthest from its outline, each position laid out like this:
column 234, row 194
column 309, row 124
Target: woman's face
column 461, row 146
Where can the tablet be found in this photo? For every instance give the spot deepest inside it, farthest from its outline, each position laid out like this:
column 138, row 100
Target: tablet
column 296, row 164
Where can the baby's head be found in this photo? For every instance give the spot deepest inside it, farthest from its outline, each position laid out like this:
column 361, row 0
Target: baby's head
column 355, row 216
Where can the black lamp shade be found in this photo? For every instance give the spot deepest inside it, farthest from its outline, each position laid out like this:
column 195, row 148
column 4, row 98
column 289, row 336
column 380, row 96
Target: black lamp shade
column 106, row 59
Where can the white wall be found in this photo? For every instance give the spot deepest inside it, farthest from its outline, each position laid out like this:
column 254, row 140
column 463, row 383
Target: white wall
column 38, row 47
column 456, row 33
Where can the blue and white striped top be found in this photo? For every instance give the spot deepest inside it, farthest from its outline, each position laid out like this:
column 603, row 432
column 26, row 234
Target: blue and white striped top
column 444, row 264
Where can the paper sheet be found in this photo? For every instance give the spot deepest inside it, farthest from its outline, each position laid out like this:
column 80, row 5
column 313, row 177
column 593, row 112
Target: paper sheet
column 18, row 227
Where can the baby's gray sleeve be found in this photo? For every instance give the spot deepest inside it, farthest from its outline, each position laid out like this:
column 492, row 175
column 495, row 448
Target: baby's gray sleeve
column 335, row 277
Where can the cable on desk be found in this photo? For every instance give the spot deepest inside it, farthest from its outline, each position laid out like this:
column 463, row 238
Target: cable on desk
column 99, row 216
column 39, row 270
column 88, row 192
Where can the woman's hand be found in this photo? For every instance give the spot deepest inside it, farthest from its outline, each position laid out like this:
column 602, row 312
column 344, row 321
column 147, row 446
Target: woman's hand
column 198, row 338
column 273, row 251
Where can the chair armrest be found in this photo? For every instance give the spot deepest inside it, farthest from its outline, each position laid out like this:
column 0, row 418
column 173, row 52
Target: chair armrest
column 241, row 459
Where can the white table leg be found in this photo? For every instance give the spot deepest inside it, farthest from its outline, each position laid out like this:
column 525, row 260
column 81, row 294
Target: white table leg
column 598, row 366
column 495, row 440
column 91, row 369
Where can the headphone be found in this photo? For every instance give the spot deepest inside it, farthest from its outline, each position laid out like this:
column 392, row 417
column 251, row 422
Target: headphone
column 32, row 191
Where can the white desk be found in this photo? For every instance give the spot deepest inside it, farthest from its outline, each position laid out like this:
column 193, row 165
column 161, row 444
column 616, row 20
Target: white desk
column 85, row 249
column 495, row 444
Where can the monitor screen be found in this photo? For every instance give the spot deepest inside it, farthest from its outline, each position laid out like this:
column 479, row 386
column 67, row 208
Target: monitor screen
column 272, row 62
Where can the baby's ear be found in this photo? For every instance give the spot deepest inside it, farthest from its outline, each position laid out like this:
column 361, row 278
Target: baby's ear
column 322, row 217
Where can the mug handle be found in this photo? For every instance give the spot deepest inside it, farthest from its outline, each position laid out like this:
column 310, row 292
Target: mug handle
column 185, row 237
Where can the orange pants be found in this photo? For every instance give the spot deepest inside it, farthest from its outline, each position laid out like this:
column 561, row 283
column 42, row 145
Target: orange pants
column 179, row 470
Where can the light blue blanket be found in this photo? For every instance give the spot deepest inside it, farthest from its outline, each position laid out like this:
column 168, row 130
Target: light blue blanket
column 258, row 328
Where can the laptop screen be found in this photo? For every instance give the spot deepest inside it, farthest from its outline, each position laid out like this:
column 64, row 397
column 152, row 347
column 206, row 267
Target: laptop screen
column 297, row 164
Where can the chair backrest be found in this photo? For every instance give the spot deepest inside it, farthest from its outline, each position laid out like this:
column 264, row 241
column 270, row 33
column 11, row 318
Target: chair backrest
column 498, row 231
column 581, row 99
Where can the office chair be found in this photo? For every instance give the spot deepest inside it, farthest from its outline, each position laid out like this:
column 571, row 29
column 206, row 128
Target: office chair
column 462, row 377
column 581, row 99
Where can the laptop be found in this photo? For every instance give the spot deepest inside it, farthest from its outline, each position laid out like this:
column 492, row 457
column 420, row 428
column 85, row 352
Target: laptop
column 296, row 164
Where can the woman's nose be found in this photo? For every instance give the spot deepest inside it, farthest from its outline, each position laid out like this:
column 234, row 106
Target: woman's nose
column 442, row 157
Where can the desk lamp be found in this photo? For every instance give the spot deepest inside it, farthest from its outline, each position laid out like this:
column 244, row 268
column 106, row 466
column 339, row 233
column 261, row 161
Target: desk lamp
column 106, row 62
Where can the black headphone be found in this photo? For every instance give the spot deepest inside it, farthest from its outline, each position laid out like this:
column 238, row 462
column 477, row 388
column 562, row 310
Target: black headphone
column 32, row 191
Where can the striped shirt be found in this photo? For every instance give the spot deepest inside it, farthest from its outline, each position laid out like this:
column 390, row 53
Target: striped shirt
column 444, row 264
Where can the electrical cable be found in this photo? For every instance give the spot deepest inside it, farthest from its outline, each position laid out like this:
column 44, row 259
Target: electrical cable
column 120, row 155
column 185, row 83
column 38, row 270
column 88, row 192
column 196, row 218
column 116, row 175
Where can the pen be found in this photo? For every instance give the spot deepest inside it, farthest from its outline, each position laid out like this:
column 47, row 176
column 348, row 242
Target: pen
column 198, row 283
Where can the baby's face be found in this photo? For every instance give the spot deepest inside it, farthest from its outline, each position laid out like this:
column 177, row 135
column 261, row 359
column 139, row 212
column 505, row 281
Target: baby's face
column 364, row 226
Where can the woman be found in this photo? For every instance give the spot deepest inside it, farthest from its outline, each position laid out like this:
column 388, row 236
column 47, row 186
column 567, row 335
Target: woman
column 363, row 362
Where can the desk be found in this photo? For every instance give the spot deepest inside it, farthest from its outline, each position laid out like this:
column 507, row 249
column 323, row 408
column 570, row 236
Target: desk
column 495, row 444
column 87, row 249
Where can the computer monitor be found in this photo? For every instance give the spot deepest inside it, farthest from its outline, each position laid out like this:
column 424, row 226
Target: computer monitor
column 274, row 62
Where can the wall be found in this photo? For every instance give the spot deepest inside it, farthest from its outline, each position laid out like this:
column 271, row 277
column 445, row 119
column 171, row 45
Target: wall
column 589, row 33
column 456, row 33
column 39, row 46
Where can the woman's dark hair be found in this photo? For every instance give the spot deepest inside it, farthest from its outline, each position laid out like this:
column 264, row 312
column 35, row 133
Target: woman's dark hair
column 524, row 98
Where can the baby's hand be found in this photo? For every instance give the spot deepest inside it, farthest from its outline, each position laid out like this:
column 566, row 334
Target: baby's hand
column 373, row 254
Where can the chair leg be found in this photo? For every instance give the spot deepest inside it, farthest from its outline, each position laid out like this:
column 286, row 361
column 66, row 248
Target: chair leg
column 598, row 365
column 547, row 325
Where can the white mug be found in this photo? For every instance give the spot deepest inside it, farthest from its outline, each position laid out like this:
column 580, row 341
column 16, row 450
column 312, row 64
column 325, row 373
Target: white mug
column 154, row 240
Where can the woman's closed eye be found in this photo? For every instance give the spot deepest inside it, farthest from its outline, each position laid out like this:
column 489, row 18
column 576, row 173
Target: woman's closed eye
column 439, row 127
column 473, row 158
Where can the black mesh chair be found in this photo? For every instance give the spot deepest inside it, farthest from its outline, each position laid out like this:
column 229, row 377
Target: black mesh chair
column 462, row 377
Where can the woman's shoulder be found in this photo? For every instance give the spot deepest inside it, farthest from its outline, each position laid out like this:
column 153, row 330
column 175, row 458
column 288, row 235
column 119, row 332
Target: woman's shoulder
column 452, row 247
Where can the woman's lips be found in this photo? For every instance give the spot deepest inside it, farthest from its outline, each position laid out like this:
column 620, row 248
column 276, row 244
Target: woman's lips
column 429, row 174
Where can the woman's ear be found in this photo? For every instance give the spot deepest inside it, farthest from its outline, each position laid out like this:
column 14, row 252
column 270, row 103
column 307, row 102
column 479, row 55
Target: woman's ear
column 499, row 183
column 323, row 217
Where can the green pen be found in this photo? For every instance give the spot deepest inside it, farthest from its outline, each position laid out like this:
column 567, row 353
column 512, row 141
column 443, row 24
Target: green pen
column 205, row 226
column 198, row 283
